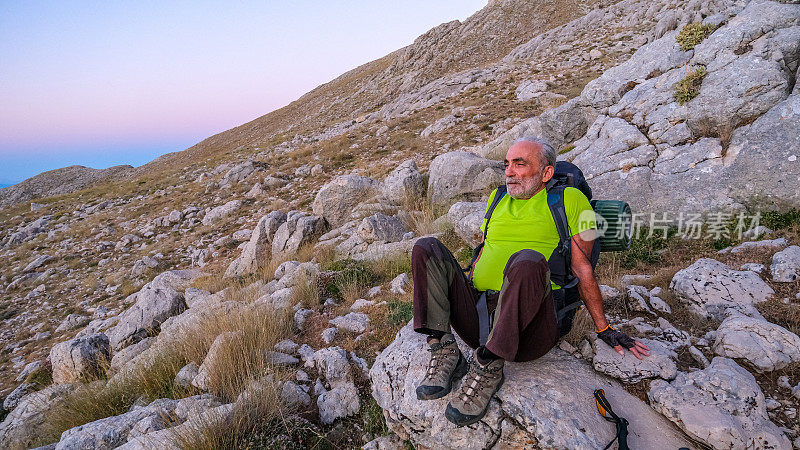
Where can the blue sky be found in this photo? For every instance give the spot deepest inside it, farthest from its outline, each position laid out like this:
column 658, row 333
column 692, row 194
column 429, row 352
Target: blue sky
column 106, row 83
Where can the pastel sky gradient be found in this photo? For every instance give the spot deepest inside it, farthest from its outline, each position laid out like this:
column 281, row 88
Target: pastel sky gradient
column 106, row 83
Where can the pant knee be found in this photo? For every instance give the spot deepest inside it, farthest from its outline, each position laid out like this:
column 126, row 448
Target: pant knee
column 526, row 261
column 427, row 246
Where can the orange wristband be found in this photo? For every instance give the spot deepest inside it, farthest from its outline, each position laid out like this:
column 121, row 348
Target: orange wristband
column 604, row 329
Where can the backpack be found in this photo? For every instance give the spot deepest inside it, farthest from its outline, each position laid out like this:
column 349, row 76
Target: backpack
column 567, row 299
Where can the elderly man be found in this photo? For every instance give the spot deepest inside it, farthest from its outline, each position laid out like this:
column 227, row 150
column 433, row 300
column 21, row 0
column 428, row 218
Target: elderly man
column 512, row 271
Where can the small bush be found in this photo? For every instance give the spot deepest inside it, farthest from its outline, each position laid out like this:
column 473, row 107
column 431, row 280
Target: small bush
column 400, row 312
column 693, row 34
column 689, row 86
column 352, row 278
column 645, row 250
column 777, row 220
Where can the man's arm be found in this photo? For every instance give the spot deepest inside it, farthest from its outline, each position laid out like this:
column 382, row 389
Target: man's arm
column 590, row 290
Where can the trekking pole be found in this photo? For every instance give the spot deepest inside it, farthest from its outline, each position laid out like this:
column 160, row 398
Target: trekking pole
column 604, row 408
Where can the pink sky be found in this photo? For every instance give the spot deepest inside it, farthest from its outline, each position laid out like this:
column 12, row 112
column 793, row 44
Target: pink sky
column 103, row 83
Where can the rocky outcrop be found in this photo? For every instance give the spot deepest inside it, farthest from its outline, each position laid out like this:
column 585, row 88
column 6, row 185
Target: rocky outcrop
column 403, row 183
column 462, row 176
column 80, row 359
column 785, row 265
column 299, row 229
column 763, row 345
column 57, row 182
column 336, row 200
column 218, row 213
column 154, row 304
column 712, row 289
column 257, row 251
column 522, row 415
column 22, row 426
column 721, row 406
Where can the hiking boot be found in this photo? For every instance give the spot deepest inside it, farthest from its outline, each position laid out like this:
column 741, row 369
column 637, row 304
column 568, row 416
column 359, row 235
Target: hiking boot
column 446, row 365
column 471, row 401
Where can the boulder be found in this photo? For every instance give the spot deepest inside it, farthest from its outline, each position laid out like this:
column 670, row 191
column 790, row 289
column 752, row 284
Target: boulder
column 785, row 265
column 128, row 353
column 336, row 200
column 256, row 252
column 404, row 183
column 73, row 321
column 239, row 173
column 462, row 175
column 720, row 406
column 630, row 369
column 467, row 219
column 223, row 344
column 294, row 396
column 12, row 400
column 354, row 322
column 764, row 345
column 399, row 284
column 332, row 365
column 298, row 230
column 80, row 359
column 712, row 289
column 341, row 401
column 23, row 425
column 381, row 228
column 216, row 214
column 187, row 373
column 113, row 431
column 533, row 409
column 154, row 304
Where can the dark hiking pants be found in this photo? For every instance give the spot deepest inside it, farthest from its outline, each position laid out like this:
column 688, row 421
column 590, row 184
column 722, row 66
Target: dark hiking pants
column 524, row 326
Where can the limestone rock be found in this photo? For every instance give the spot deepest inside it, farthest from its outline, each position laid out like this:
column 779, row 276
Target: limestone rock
column 216, row 214
column 354, row 322
column 629, row 369
column 72, row 321
column 381, row 228
column 298, row 230
column 462, row 175
column 224, row 343
column 154, row 304
column 467, row 218
column 187, row 373
column 12, row 400
column 785, row 265
column 764, row 345
column 341, row 401
column 24, row 424
column 711, row 288
column 128, row 353
column 399, row 284
column 721, row 406
column 80, row 359
column 404, row 182
column 336, row 200
column 524, row 415
column 239, row 172
column 332, row 365
column 293, row 395
column 257, row 250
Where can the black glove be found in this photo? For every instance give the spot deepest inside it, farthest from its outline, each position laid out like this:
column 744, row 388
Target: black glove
column 614, row 338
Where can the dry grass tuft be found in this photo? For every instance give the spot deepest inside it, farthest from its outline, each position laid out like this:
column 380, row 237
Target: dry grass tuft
column 421, row 215
column 582, row 326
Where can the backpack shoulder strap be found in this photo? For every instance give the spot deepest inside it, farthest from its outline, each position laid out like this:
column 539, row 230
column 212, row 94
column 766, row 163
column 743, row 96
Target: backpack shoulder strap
column 498, row 195
column 555, row 200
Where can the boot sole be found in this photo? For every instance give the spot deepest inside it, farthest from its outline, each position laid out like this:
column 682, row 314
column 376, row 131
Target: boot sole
column 462, row 420
column 458, row 373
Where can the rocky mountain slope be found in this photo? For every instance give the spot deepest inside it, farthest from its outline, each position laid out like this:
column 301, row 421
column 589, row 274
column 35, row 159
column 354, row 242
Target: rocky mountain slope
column 59, row 181
column 252, row 291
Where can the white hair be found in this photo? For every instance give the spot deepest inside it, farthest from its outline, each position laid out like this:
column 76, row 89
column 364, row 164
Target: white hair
column 548, row 152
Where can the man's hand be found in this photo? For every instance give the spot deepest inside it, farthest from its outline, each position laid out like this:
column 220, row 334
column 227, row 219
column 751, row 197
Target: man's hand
column 620, row 340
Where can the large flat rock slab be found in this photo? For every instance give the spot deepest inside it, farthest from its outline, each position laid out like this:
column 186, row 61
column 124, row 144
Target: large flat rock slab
column 547, row 403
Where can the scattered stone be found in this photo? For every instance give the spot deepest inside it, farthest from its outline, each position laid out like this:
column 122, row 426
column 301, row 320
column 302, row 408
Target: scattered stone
column 300, row 317
column 374, row 291
column 294, row 395
column 629, row 369
column 341, row 401
column 80, row 359
column 336, row 200
column 72, row 321
column 785, row 265
column 187, row 374
column 698, row 356
column 298, row 230
column 764, row 345
column 772, row 243
column 712, row 289
column 329, row 334
column 399, row 283
column 609, row 293
column 281, row 359
column 216, row 214
column 720, row 406
column 404, row 182
column 257, row 250
column 286, row 346
column 29, row 369
column 360, row 304
column 353, row 322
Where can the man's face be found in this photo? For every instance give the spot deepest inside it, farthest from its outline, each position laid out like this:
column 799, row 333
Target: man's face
column 525, row 174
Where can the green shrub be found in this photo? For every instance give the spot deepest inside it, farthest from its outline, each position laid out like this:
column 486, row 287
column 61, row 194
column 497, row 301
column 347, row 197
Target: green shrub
column 400, row 312
column 689, row 86
column 644, row 249
column 351, row 277
column 693, row 34
column 777, row 220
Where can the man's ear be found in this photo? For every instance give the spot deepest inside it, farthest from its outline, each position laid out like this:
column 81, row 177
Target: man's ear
column 549, row 171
